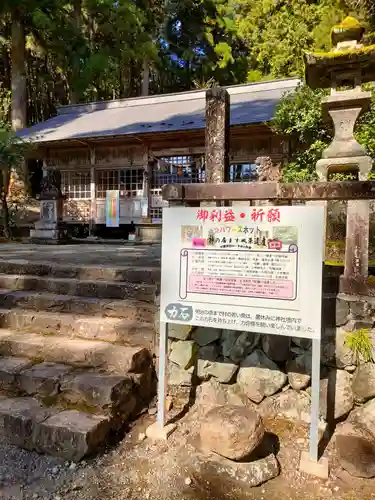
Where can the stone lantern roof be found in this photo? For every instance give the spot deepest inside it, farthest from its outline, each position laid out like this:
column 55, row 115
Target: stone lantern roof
column 349, row 63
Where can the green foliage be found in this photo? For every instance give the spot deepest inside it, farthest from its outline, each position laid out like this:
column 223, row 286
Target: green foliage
column 4, row 108
column 12, row 149
column 299, row 116
column 277, row 32
column 360, row 343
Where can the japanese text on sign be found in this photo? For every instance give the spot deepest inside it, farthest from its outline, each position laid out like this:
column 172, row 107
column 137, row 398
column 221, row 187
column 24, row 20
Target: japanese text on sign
column 251, row 269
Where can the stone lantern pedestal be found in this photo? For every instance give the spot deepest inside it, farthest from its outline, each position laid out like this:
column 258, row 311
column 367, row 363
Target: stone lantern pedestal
column 50, row 229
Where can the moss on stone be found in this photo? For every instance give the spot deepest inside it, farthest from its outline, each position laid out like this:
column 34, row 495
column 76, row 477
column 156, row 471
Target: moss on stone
column 368, row 50
column 336, row 244
column 349, row 22
column 349, row 29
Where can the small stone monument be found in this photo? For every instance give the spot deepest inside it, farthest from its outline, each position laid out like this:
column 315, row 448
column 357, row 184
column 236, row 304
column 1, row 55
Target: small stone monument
column 50, row 228
column 343, row 70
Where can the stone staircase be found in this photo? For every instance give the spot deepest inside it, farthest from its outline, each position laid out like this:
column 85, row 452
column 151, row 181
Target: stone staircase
column 76, row 353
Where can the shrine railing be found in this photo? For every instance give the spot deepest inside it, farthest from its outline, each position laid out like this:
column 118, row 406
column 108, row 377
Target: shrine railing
column 355, row 279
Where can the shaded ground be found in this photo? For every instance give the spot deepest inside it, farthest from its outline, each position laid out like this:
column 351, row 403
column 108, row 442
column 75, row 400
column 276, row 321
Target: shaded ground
column 140, row 469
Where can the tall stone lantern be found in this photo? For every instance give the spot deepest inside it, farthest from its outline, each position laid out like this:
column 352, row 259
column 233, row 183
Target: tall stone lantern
column 343, row 70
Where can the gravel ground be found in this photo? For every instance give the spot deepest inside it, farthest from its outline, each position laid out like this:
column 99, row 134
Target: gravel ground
column 138, row 469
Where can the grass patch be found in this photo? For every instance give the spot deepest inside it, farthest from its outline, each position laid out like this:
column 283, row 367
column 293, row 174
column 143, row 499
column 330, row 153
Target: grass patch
column 360, row 343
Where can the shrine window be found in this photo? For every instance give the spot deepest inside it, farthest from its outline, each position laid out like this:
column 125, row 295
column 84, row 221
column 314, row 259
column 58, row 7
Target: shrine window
column 76, row 185
column 128, row 181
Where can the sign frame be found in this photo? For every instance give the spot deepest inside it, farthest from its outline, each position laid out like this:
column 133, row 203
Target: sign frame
column 316, row 214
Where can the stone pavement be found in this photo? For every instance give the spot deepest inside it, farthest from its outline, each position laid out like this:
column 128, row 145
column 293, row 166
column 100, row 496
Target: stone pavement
column 84, row 254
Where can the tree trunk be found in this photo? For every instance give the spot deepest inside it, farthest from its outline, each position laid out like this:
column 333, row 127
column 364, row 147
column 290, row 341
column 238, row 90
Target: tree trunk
column 77, row 20
column 18, row 85
column 145, row 78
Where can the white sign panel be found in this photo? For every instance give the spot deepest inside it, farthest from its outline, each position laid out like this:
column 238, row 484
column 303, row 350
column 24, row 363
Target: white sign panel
column 253, row 269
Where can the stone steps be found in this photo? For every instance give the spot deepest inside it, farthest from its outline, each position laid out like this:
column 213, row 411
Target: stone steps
column 115, row 330
column 89, row 354
column 132, row 274
column 61, row 410
column 131, row 310
column 82, row 288
column 76, row 347
column 117, row 396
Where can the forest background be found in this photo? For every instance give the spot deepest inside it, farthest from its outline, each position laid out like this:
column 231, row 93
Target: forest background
column 54, row 52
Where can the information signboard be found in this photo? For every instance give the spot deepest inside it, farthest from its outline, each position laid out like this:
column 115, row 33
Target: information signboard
column 253, row 269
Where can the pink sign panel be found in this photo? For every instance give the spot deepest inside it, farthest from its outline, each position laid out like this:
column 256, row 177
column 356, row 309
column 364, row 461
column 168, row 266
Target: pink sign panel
column 241, row 286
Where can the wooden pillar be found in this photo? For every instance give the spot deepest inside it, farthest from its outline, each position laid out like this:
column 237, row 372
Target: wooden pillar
column 217, row 135
column 92, row 220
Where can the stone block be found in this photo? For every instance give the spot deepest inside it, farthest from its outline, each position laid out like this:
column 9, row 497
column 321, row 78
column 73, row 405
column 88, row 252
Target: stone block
column 10, row 368
column 334, row 351
column 208, row 353
column 302, row 342
column 355, row 324
column 251, row 474
column 43, row 379
column 71, row 434
column 180, row 332
column 364, row 417
column 157, row 432
column 299, row 371
column 222, row 372
column 183, row 353
column 95, row 354
column 105, row 393
column 356, row 454
column 259, row 376
column 237, row 345
column 364, row 382
column 342, row 312
column 178, row 376
column 318, row 469
column 204, row 335
column 18, row 418
column 276, row 347
column 336, row 395
column 233, row 432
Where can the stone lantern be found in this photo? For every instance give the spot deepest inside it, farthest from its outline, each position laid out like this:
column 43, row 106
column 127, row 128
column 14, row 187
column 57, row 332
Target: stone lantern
column 343, row 70
column 50, row 228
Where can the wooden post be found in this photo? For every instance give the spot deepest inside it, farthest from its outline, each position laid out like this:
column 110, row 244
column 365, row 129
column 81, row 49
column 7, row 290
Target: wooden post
column 217, row 135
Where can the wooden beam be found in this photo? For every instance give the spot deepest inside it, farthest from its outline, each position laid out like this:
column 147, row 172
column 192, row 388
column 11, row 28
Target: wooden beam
column 352, row 190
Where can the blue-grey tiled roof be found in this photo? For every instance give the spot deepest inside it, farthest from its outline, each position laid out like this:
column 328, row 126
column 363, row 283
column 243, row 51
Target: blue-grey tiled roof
column 249, row 103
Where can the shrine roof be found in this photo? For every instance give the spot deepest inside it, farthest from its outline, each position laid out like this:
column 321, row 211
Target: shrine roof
column 249, row 104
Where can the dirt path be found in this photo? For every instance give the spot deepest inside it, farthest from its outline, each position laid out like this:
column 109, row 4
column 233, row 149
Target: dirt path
column 142, row 470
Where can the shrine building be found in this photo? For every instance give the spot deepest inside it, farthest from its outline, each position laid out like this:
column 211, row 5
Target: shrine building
column 137, row 145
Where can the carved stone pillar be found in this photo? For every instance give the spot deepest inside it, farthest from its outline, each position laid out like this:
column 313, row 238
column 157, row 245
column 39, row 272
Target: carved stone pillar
column 50, row 228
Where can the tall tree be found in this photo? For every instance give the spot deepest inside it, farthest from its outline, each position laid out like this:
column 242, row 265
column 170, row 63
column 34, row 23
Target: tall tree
column 277, row 32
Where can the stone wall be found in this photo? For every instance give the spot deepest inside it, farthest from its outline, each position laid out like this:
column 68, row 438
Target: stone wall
column 274, row 372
